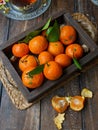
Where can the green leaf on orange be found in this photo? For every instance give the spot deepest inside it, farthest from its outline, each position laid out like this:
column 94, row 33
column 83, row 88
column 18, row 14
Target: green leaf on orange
column 35, row 33
column 46, row 25
column 35, row 71
column 53, row 36
column 49, row 30
column 30, row 36
column 77, row 64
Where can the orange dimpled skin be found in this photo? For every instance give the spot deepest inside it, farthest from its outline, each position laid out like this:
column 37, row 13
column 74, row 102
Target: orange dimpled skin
column 27, row 61
column 63, row 59
column 44, row 57
column 38, row 44
column 20, row 49
column 52, row 70
column 56, row 48
column 67, row 34
column 74, row 50
column 34, row 81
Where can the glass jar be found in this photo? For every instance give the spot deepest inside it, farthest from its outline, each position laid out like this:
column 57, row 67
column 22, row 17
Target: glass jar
column 25, row 5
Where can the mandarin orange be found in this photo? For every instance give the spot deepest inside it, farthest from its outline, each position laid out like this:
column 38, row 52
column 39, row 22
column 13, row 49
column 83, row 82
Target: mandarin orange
column 52, row 70
column 63, row 59
column 74, row 50
column 20, row 49
column 34, row 81
column 44, row 57
column 67, row 34
column 27, row 61
column 38, row 44
column 56, row 48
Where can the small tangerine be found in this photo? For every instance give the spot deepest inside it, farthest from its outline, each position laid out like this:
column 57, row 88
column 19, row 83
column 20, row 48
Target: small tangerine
column 52, row 70
column 34, row 81
column 44, row 57
column 67, row 34
column 27, row 61
column 74, row 50
column 38, row 44
column 64, row 60
column 56, row 48
column 20, row 49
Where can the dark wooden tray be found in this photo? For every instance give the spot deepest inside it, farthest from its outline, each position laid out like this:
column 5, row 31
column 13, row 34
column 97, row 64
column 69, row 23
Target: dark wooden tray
column 69, row 72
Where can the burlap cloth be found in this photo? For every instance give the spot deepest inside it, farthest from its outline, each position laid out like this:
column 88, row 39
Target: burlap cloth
column 12, row 89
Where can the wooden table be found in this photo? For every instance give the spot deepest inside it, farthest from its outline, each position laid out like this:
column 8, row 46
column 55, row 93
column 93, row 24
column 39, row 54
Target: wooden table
column 40, row 116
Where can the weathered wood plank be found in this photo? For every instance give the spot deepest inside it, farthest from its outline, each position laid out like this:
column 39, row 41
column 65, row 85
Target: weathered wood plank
column 14, row 119
column 90, row 9
column 1, row 86
column 69, row 89
column 4, row 27
column 90, row 114
column 70, row 6
column 72, row 117
column 11, row 118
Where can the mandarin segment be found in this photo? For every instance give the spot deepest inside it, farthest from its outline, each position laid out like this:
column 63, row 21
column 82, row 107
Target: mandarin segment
column 86, row 93
column 60, row 104
column 38, row 44
column 77, row 103
column 52, row 70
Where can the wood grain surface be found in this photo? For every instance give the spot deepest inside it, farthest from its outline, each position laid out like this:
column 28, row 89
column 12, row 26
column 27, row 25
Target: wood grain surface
column 40, row 116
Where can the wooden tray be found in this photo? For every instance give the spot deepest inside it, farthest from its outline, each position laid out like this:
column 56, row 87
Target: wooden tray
column 48, row 86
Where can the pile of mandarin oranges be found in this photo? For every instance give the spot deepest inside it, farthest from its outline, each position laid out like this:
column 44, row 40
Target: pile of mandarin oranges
column 55, row 56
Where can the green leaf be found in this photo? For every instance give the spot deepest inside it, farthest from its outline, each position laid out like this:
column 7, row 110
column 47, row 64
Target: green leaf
column 37, row 70
column 35, row 33
column 77, row 64
column 49, row 30
column 46, row 25
column 30, row 36
column 53, row 36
